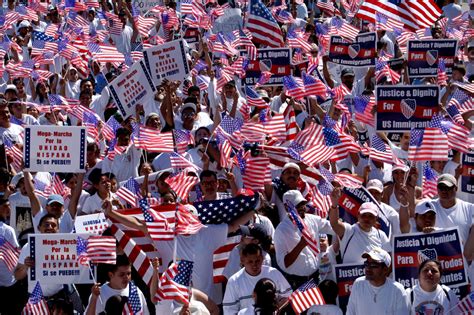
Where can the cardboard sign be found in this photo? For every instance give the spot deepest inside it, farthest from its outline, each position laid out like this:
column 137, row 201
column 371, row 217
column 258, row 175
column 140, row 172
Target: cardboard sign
column 131, row 88
column 410, row 250
column 56, row 259
column 361, row 53
column 423, row 56
column 346, row 274
column 467, row 179
column 275, row 60
column 167, row 61
column 145, row 5
column 55, row 149
column 230, row 21
column 404, row 107
column 91, row 224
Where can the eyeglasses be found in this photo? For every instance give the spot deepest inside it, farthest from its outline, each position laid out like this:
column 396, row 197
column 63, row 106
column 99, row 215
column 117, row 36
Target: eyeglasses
column 445, row 188
column 372, row 265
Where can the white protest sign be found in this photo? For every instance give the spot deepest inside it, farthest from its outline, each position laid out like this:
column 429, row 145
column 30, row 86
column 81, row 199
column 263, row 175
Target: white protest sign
column 230, row 21
column 145, row 5
column 91, row 224
column 131, row 88
column 55, row 149
column 56, row 259
column 167, row 61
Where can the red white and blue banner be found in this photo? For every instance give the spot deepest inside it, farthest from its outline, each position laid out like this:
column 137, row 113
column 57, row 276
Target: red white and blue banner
column 274, row 60
column 467, row 179
column 410, row 250
column 346, row 274
column 423, row 56
column 404, row 107
column 360, row 53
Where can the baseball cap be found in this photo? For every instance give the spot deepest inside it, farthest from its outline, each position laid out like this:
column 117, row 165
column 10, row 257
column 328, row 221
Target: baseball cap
column 375, row 184
column 189, row 105
column 401, row 167
column 256, row 231
column 347, row 72
column 379, row 255
column 55, row 198
column 448, row 180
column 293, row 196
column 424, row 206
column 24, row 23
column 11, row 88
column 291, row 165
column 163, row 172
column 369, row 207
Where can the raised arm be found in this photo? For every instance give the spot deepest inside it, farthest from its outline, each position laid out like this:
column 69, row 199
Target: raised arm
column 75, row 195
column 404, row 214
column 30, row 191
column 336, row 224
column 129, row 221
column 234, row 226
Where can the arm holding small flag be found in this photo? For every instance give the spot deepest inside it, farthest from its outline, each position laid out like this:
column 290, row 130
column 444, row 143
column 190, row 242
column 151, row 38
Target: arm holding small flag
column 95, row 296
column 336, row 224
column 129, row 221
column 30, row 190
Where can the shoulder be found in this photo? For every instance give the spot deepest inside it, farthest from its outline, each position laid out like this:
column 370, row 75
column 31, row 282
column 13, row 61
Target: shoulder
column 397, row 286
column 235, row 277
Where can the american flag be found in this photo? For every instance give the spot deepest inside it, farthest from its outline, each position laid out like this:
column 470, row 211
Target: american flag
column 212, row 212
column 314, row 86
column 109, row 128
column 466, row 305
column 253, row 98
column 442, row 76
column 327, row 6
column 224, row 146
column 344, row 29
column 429, row 144
column 264, row 28
column 295, row 39
column 346, row 180
column 275, row 126
column 290, row 121
column 255, row 171
column 36, row 304
column 186, row 222
column 380, row 151
column 220, row 258
column 186, row 7
column 152, row 140
column 26, row 12
column 302, row 227
column 182, row 183
column 130, row 192
column 14, row 153
column 175, row 282
column 309, row 145
column 306, row 296
column 91, row 122
column 339, row 92
column 341, row 142
column 183, row 139
column 363, row 105
column 430, row 181
column 382, row 69
column 294, row 87
column 383, row 22
column 8, row 254
column 101, row 249
column 157, row 224
column 134, row 306
column 412, row 13
column 455, row 115
column 458, row 136
column 282, row 15
column 461, row 100
column 178, row 162
column 42, row 189
column 81, row 251
column 134, row 252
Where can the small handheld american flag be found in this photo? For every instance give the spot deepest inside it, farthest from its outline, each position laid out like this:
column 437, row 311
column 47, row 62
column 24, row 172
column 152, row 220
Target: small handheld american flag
column 303, row 228
column 306, row 296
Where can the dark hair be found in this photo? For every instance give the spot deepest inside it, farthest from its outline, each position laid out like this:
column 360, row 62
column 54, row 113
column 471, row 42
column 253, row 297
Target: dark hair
column 121, row 261
column 94, row 176
column 207, row 173
column 191, row 99
column 47, row 216
column 3, row 200
column 329, row 290
column 68, row 177
column 85, row 93
column 265, row 297
column 251, row 249
column 440, row 268
column 194, row 88
column 122, row 131
column 115, row 304
column 5, row 176
column 87, row 80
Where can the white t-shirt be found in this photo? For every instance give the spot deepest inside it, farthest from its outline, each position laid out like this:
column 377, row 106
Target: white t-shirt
column 460, row 216
column 238, row 293
column 327, row 309
column 93, row 204
column 233, row 264
column 8, row 234
column 123, row 42
column 355, row 242
column 287, row 237
column 436, row 302
column 66, row 222
column 107, row 292
column 389, row 299
column 125, row 165
column 13, row 133
column 203, row 120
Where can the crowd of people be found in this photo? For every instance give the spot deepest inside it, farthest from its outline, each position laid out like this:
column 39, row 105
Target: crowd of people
column 225, row 146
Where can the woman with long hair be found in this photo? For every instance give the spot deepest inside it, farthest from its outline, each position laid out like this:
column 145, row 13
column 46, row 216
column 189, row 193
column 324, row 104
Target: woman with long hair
column 265, row 299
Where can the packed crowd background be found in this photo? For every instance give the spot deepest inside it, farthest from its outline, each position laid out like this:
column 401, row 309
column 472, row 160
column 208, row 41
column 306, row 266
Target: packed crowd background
column 257, row 171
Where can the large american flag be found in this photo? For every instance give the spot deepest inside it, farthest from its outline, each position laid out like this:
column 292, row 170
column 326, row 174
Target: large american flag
column 383, row 22
column 264, row 27
column 8, row 254
column 414, row 14
column 175, row 282
column 306, row 296
column 461, row 100
column 428, row 144
column 186, row 222
column 302, row 227
column 36, row 304
column 158, row 227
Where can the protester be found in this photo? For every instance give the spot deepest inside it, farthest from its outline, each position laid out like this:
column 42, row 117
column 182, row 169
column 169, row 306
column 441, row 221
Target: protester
column 265, row 297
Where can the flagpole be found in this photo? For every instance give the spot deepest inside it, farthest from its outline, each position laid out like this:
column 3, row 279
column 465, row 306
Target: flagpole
column 95, row 280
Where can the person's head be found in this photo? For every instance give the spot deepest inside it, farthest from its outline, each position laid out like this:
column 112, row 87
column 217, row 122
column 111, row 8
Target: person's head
column 459, row 71
column 48, row 224
column 161, row 184
column 20, row 86
column 5, row 177
column 194, row 91
column 101, row 182
column 188, row 114
column 229, row 89
column 375, row 188
column 256, row 234
column 347, row 77
column 123, row 17
column 11, row 92
column 93, row 153
column 290, row 175
column 377, row 264
column 153, row 121
column 438, row 166
column 145, row 168
column 405, row 141
column 425, row 214
column 4, row 114
column 201, row 135
column 120, row 274
column 85, row 98
column 42, row 88
column 295, row 198
column 61, row 307
column 55, row 205
column 429, row 274
column 323, row 242
column 398, row 174
column 251, row 257
column 367, row 218
column 265, row 297
column 123, row 136
column 447, row 186
column 168, row 198
column 336, row 111
column 53, row 14
column 87, row 85
column 208, row 180
column 329, row 290
column 4, row 209
column 436, row 31
column 91, row 14
column 115, row 304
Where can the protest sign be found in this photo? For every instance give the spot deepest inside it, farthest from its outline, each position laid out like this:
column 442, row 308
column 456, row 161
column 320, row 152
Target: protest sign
column 167, row 61
column 91, row 224
column 346, row 274
column 404, row 107
column 360, row 53
column 230, row 21
column 275, row 60
column 350, row 202
column 131, row 88
column 423, row 56
column 410, row 250
column 145, row 5
column 56, row 259
column 55, row 149
column 467, row 179
column 191, row 36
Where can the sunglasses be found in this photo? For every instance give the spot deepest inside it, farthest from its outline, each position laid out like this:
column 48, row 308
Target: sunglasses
column 445, row 188
column 372, row 265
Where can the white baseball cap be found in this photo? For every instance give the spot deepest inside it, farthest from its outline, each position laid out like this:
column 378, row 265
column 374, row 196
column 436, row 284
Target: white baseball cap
column 291, row 165
column 293, row 196
column 369, row 207
column 375, row 184
column 448, row 180
column 379, row 255
column 424, row 206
